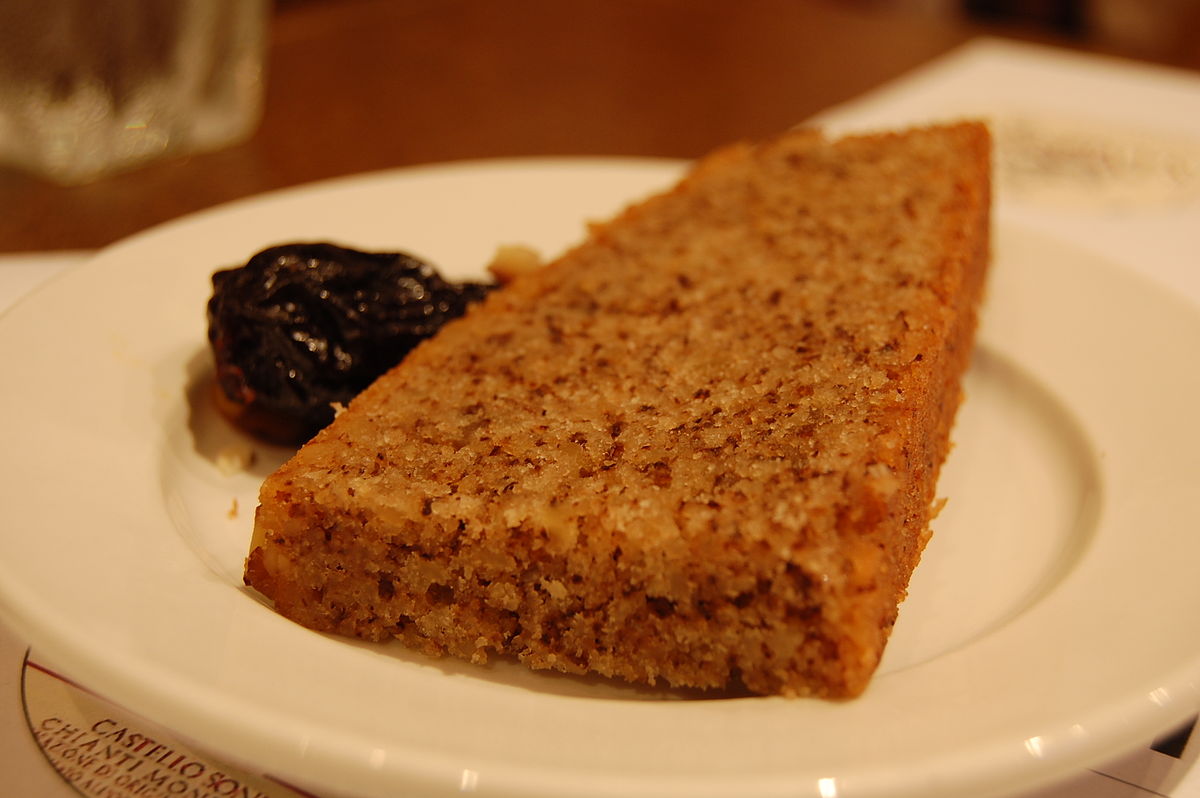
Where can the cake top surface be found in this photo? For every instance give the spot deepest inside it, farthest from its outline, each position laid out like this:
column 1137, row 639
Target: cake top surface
column 752, row 340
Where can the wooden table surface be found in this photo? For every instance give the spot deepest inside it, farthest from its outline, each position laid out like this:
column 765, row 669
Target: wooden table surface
column 361, row 85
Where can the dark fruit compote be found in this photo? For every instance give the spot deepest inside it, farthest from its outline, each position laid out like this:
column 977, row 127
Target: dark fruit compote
column 302, row 328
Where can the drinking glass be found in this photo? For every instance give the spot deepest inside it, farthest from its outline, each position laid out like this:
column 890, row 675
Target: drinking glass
column 92, row 87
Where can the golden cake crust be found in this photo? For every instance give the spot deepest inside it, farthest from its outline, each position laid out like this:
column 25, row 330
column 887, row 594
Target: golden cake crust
column 701, row 446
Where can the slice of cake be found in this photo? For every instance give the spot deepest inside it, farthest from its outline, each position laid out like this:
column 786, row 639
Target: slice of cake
column 701, row 447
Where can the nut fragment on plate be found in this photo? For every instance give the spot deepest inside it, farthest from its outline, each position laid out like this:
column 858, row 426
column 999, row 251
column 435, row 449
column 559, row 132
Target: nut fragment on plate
column 235, row 458
column 512, row 260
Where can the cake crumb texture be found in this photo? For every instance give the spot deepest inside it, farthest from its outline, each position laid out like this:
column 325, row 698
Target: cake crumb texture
column 700, row 448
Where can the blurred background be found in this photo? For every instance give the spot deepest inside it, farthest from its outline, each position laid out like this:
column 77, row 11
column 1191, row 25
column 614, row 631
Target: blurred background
column 1157, row 30
column 360, row 85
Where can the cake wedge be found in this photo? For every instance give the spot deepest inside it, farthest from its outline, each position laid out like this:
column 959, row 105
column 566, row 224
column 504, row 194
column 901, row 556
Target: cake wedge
column 699, row 448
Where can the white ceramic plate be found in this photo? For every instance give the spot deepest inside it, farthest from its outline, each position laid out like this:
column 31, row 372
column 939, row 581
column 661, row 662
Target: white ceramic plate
column 1051, row 623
